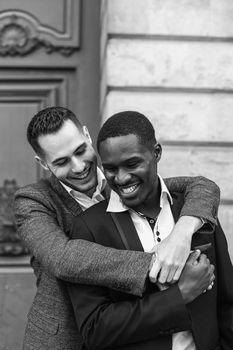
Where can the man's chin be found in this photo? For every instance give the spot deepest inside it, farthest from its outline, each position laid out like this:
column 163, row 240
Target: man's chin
column 130, row 201
column 87, row 189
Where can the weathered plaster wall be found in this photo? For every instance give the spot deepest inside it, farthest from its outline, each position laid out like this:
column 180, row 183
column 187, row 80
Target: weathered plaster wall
column 173, row 61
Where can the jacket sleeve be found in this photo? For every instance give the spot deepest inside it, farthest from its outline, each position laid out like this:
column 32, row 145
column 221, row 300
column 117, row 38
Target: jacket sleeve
column 75, row 260
column 108, row 319
column 105, row 322
column 201, row 196
column 225, row 290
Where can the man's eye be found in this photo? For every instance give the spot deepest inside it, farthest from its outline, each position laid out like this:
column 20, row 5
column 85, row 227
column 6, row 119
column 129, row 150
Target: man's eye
column 132, row 165
column 80, row 151
column 62, row 163
column 109, row 170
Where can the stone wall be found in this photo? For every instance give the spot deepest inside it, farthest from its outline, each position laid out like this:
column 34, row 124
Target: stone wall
column 173, row 61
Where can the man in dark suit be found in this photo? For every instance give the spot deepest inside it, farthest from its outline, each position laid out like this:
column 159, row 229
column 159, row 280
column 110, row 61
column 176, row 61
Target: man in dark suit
column 45, row 211
column 139, row 215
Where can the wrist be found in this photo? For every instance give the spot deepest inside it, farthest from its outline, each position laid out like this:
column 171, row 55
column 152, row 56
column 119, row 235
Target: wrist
column 184, row 293
column 185, row 299
column 188, row 225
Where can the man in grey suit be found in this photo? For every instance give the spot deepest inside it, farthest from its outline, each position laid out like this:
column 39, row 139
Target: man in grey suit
column 45, row 211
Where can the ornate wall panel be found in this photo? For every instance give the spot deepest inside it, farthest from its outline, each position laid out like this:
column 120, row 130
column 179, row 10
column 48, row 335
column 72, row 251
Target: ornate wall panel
column 29, row 24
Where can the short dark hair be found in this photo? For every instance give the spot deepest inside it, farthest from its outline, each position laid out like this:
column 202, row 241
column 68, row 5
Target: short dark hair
column 48, row 121
column 125, row 123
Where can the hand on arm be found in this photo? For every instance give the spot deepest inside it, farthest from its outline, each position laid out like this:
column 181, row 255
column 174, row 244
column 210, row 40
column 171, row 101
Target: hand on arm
column 171, row 254
column 196, row 277
column 201, row 200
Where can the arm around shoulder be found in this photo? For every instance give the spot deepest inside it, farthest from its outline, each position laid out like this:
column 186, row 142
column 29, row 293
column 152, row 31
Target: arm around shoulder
column 201, row 196
column 72, row 260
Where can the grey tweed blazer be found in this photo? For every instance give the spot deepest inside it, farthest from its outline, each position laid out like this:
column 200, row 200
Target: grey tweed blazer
column 44, row 212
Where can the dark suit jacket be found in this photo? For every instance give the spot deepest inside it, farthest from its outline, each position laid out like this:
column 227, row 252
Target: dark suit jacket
column 44, row 213
column 109, row 319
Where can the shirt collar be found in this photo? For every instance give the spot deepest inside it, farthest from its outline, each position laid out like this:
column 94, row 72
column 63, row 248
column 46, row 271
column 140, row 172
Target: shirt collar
column 101, row 183
column 116, row 205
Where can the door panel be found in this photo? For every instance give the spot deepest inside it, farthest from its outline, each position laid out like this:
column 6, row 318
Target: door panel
column 15, row 155
column 21, row 96
column 49, row 55
column 28, row 24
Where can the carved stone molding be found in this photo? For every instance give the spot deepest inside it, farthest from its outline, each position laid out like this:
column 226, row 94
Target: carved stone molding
column 16, row 39
column 22, row 33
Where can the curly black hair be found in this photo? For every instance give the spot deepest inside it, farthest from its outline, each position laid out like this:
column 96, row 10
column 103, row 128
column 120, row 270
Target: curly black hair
column 125, row 123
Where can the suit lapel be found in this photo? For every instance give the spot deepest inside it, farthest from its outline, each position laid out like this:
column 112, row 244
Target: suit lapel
column 127, row 231
column 69, row 201
column 126, row 228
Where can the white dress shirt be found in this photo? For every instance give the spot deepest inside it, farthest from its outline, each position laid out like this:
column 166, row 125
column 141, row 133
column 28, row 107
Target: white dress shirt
column 148, row 237
column 84, row 200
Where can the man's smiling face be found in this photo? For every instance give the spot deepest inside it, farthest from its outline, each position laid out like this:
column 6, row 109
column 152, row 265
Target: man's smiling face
column 130, row 169
column 69, row 155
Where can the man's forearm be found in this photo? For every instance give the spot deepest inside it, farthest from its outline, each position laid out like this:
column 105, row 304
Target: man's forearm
column 76, row 260
column 201, row 196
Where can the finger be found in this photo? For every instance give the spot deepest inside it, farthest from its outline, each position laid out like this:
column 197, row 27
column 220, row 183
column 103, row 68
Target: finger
column 154, row 271
column 171, row 274
column 210, row 286
column 212, row 268
column 203, row 259
column 212, row 278
column 163, row 274
column 177, row 274
column 194, row 256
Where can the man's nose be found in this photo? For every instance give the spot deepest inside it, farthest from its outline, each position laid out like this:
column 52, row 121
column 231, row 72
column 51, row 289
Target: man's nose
column 122, row 177
column 77, row 165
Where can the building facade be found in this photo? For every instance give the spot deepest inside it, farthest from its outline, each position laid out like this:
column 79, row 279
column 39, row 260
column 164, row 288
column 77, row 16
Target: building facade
column 171, row 60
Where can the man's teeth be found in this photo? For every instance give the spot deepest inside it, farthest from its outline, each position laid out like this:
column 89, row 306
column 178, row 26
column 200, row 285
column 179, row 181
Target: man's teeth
column 82, row 176
column 130, row 189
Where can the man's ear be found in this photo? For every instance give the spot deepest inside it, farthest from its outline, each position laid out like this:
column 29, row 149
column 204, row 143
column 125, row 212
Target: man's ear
column 86, row 133
column 42, row 162
column 157, row 151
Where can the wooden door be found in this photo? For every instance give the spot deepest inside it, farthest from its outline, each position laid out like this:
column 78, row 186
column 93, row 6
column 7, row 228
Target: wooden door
column 49, row 55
